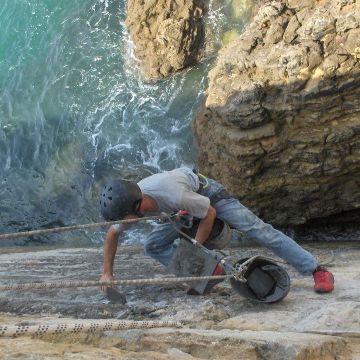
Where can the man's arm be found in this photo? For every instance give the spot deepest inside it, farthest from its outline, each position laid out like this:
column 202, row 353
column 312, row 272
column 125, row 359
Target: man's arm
column 110, row 247
column 205, row 226
column 199, row 206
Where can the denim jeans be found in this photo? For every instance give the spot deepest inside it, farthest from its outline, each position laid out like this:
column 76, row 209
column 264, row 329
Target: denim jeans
column 159, row 244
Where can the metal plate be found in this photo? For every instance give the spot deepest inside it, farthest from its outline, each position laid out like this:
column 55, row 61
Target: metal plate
column 190, row 260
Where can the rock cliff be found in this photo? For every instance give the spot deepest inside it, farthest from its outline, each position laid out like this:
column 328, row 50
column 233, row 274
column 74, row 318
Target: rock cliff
column 280, row 125
column 219, row 325
column 168, row 34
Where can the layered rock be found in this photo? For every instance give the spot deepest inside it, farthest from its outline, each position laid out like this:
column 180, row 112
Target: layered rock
column 219, row 325
column 280, row 125
column 168, row 35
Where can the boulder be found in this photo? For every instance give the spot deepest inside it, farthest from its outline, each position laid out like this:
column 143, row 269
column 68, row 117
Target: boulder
column 168, row 35
column 280, row 123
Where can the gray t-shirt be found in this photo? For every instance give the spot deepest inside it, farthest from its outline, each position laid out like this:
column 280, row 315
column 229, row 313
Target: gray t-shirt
column 176, row 190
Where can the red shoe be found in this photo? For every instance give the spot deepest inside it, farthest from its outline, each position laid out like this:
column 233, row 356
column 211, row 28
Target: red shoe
column 324, row 280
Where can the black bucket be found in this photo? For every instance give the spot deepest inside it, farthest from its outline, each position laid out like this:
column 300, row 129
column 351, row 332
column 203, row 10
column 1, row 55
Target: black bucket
column 267, row 282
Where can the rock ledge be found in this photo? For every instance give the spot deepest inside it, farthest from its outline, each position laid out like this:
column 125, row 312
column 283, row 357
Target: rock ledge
column 280, row 125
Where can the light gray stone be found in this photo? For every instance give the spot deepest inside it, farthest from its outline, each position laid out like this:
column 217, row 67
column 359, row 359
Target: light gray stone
column 220, row 325
column 301, row 89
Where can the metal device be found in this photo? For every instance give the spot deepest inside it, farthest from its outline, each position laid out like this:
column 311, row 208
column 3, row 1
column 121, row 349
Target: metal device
column 257, row 278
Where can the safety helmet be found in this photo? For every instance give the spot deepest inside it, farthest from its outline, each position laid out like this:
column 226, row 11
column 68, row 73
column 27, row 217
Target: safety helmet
column 119, row 198
column 266, row 282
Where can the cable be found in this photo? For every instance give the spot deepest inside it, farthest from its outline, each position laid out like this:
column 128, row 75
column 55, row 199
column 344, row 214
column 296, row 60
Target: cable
column 79, row 227
column 94, row 283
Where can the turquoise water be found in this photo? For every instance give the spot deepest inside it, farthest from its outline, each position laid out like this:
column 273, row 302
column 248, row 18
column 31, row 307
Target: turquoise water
column 74, row 110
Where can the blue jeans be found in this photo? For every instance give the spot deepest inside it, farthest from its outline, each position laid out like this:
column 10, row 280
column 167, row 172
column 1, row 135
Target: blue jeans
column 159, row 244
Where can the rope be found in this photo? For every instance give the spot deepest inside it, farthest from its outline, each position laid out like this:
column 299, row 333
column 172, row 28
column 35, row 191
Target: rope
column 75, row 284
column 82, row 326
column 79, row 227
column 343, row 333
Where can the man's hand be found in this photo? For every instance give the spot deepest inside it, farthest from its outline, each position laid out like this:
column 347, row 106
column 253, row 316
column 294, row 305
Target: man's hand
column 106, row 277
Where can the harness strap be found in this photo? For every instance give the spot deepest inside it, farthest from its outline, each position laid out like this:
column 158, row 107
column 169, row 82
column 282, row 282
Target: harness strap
column 203, row 181
column 220, row 195
column 214, row 198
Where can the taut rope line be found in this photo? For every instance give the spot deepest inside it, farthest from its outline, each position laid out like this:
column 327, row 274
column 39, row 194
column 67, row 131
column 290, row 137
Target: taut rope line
column 74, row 284
column 79, row 227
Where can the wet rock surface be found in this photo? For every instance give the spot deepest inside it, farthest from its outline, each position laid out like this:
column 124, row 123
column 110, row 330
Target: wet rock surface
column 219, row 325
column 280, row 124
column 168, row 35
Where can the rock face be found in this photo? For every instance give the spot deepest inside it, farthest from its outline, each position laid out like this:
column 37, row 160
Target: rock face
column 168, row 34
column 280, row 126
column 219, row 325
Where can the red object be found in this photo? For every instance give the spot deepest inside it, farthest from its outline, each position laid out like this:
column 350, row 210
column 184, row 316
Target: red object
column 219, row 270
column 324, row 280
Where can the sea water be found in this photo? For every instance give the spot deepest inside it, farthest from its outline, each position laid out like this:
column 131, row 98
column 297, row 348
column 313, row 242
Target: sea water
column 75, row 111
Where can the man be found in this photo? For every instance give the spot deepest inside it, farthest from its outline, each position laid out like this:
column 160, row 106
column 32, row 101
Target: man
column 204, row 198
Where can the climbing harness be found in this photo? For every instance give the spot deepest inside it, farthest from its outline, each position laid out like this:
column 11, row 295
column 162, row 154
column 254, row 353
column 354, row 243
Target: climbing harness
column 203, row 181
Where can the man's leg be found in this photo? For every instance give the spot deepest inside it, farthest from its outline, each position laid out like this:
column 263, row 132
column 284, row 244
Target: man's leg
column 241, row 218
column 159, row 244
